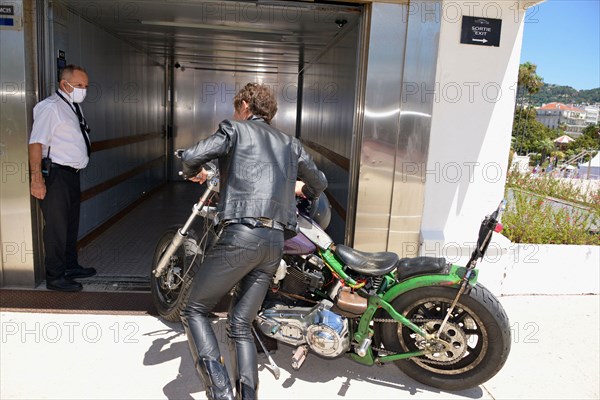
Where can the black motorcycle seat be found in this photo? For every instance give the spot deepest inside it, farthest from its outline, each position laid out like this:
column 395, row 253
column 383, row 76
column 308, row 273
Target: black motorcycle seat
column 419, row 266
column 365, row 263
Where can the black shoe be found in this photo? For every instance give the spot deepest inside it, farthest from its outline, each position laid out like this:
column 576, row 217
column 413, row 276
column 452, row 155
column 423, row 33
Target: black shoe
column 79, row 272
column 216, row 379
column 245, row 392
column 64, row 285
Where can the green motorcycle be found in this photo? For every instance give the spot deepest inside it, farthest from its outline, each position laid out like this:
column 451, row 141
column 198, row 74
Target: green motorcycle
column 429, row 317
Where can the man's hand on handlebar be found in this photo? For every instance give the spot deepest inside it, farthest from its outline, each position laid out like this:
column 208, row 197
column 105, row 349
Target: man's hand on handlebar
column 299, row 186
column 207, row 172
column 200, row 177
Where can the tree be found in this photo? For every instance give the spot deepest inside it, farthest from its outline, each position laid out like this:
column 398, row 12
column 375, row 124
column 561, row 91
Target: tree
column 530, row 135
column 528, row 83
column 528, row 80
column 565, row 94
column 545, row 146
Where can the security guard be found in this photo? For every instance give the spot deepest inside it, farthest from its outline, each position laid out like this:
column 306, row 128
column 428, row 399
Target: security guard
column 59, row 148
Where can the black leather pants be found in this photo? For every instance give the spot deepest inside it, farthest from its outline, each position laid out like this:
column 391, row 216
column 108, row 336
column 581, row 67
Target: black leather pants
column 242, row 254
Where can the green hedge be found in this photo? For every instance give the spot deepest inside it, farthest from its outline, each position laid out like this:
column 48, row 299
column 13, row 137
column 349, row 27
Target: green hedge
column 531, row 218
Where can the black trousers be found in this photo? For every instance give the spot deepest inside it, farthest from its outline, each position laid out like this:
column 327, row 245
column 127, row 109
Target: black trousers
column 244, row 255
column 60, row 208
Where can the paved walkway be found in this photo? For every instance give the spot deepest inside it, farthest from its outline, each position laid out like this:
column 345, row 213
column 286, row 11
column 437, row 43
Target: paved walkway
column 555, row 355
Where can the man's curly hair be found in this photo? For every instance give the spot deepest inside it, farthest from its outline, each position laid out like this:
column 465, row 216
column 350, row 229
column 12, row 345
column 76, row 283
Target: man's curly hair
column 261, row 101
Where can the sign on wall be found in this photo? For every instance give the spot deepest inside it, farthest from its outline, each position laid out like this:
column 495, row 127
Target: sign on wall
column 8, row 20
column 481, row 31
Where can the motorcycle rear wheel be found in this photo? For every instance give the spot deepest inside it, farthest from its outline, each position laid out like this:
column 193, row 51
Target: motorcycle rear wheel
column 169, row 289
column 478, row 336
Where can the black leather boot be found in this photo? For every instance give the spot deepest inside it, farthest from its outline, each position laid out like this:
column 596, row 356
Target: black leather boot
column 244, row 367
column 245, row 392
column 215, row 378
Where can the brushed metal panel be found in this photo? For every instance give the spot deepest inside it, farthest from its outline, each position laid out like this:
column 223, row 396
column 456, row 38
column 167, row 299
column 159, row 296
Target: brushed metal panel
column 328, row 110
column 412, row 147
column 382, row 105
column 18, row 95
column 223, row 35
column 286, row 90
column 184, row 125
column 204, row 98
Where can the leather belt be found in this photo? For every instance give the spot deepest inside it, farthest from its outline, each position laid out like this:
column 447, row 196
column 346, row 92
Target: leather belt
column 65, row 167
column 256, row 223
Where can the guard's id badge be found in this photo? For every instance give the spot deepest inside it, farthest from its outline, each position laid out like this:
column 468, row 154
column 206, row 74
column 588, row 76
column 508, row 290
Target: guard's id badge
column 46, row 165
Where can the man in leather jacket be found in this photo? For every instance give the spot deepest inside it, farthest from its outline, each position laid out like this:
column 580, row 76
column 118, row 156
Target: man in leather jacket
column 258, row 168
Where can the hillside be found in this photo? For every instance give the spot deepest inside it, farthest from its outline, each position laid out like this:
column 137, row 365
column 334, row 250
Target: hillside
column 564, row 94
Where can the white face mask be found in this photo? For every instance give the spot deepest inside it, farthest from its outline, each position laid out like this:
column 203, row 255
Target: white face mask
column 78, row 94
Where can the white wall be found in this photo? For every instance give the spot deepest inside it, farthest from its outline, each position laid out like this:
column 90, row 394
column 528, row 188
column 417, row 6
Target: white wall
column 521, row 269
column 471, row 125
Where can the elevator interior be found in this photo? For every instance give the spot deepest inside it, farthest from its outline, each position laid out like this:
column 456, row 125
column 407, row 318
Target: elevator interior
column 163, row 75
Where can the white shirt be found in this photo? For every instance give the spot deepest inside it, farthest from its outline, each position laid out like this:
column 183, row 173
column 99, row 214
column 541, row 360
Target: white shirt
column 56, row 125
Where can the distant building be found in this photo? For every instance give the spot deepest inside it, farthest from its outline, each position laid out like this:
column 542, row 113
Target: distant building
column 549, row 114
column 592, row 114
column 554, row 115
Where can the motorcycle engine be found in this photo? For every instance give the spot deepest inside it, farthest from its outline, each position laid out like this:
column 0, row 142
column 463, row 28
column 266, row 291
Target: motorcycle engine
column 325, row 332
column 301, row 276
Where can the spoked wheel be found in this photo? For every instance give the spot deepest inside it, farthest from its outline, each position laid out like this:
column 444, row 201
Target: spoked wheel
column 472, row 346
column 168, row 289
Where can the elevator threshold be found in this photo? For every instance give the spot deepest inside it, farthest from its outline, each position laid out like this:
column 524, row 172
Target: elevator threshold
column 116, row 283
column 84, row 302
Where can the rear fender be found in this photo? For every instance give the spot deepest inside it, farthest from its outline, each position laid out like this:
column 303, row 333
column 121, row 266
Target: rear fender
column 452, row 279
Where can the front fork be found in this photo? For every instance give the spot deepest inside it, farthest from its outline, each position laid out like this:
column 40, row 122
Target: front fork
column 179, row 237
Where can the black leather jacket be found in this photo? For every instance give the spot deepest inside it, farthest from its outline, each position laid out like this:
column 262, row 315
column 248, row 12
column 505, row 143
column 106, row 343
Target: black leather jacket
column 258, row 166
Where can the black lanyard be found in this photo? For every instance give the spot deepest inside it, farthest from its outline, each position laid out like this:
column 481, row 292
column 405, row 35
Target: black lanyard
column 83, row 126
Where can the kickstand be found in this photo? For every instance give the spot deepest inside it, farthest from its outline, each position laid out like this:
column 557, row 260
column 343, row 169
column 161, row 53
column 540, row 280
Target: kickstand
column 274, row 368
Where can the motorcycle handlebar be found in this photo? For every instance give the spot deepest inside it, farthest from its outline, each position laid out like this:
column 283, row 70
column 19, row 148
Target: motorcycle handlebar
column 211, row 174
column 179, row 153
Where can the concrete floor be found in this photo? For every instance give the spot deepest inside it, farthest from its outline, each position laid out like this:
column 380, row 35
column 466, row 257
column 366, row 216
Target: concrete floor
column 555, row 354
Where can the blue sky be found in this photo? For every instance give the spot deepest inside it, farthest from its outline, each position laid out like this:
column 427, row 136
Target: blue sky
column 562, row 37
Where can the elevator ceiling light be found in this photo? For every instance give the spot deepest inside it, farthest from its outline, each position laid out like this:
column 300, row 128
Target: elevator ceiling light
column 214, row 27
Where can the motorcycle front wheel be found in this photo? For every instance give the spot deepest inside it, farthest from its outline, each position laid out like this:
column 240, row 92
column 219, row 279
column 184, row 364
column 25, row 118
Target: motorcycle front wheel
column 168, row 290
column 476, row 338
